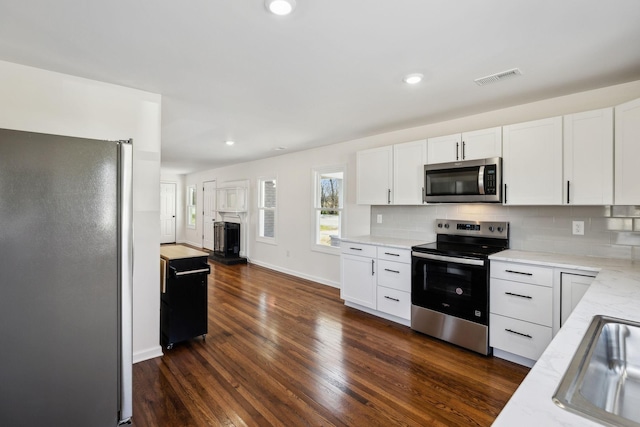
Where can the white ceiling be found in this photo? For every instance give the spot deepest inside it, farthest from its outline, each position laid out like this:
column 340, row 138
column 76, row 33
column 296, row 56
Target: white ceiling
column 330, row 72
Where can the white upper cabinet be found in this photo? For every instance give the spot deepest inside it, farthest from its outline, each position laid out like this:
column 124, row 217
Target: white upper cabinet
column 588, row 158
column 477, row 144
column 408, row 166
column 374, row 176
column 627, row 149
column 532, row 162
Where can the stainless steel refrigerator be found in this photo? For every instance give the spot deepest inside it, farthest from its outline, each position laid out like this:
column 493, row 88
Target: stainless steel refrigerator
column 66, row 281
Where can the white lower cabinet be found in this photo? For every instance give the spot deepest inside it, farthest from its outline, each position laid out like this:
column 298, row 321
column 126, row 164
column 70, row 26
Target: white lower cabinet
column 357, row 271
column 572, row 289
column 377, row 278
column 521, row 306
column 518, row 337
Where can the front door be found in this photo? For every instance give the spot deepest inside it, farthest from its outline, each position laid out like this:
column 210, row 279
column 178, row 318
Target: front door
column 167, row 212
column 208, row 214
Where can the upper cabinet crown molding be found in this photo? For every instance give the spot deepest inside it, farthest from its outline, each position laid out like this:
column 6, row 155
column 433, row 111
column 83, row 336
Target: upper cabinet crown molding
column 588, row 158
column 473, row 145
column 627, row 153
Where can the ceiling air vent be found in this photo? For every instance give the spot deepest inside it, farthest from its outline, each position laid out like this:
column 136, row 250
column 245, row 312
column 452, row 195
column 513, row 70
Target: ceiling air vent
column 503, row 75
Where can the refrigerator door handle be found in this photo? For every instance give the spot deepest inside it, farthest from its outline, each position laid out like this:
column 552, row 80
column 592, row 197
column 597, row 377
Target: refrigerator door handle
column 125, row 221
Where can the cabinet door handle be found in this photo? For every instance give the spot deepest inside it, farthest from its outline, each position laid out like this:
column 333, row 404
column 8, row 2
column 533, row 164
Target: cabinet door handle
column 457, row 145
column 356, row 249
column 392, row 271
column 518, row 295
column 519, row 333
column 392, row 254
column 389, row 196
column 392, row 299
column 372, row 267
column 568, row 186
column 505, row 194
column 519, row 272
column 463, row 151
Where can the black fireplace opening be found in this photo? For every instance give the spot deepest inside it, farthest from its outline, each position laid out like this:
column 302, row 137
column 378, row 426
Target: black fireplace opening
column 226, row 239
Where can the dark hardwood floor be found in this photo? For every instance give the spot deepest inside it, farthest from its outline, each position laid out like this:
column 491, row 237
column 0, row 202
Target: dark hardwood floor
column 285, row 351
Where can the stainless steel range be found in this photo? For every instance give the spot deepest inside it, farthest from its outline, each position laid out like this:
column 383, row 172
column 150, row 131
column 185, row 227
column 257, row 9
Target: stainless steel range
column 450, row 282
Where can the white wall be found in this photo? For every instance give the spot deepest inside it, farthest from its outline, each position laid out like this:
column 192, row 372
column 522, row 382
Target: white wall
column 294, row 179
column 42, row 101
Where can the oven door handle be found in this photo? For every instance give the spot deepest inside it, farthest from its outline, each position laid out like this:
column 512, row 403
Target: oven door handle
column 444, row 258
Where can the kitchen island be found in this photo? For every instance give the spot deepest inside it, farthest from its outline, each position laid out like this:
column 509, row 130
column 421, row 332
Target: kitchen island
column 614, row 292
column 183, row 294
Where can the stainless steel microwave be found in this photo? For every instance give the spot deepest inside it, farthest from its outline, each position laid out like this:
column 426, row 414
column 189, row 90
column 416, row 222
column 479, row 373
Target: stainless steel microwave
column 469, row 181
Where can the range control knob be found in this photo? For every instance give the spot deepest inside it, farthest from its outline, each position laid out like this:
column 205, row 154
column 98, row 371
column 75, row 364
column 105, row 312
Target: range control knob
column 500, row 229
column 446, row 226
column 439, row 225
column 491, row 228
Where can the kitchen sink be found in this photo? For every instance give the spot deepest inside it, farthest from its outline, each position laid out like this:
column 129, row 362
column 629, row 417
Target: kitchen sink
column 603, row 379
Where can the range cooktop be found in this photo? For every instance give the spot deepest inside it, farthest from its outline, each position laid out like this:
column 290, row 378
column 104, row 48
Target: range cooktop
column 477, row 239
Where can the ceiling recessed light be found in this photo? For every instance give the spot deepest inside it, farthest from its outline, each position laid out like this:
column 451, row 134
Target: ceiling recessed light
column 280, row 7
column 413, row 78
column 280, row 148
column 229, row 142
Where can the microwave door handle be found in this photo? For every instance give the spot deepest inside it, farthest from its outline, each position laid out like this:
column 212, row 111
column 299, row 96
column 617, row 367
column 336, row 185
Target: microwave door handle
column 481, row 179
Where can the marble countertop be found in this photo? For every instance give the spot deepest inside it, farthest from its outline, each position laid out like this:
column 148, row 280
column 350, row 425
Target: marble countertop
column 614, row 292
column 392, row 242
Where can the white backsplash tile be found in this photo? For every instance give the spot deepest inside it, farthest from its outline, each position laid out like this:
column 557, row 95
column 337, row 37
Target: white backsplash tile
column 610, row 231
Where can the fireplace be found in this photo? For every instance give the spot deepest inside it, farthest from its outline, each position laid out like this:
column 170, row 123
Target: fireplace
column 226, row 239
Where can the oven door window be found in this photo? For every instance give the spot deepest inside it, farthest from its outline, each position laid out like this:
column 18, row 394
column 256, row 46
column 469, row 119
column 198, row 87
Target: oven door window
column 447, row 287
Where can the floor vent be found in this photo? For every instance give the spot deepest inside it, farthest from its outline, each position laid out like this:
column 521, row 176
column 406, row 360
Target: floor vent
column 503, row 75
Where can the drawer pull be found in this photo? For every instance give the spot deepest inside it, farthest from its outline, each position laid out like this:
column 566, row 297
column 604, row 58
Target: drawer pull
column 356, row 249
column 392, row 299
column 389, row 253
column 519, row 272
column 518, row 295
column 519, row 333
column 392, row 271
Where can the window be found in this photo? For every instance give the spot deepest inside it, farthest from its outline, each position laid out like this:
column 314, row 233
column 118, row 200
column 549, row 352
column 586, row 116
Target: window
column 267, row 209
column 328, row 205
column 191, row 206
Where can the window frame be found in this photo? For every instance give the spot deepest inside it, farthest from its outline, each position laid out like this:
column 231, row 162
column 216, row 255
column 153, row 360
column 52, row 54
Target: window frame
column 261, row 208
column 191, row 207
column 316, row 207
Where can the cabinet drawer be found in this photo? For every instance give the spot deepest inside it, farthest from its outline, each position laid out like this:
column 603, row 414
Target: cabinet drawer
column 394, row 254
column 524, row 273
column 395, row 302
column 522, row 301
column 394, row 275
column 518, row 337
column 358, row 249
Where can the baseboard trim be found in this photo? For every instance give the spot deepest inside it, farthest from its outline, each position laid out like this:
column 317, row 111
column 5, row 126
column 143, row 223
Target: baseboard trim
column 150, row 353
column 296, row 273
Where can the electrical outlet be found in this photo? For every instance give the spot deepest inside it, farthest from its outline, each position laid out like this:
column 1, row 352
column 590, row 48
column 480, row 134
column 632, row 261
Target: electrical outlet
column 379, row 219
column 578, row 228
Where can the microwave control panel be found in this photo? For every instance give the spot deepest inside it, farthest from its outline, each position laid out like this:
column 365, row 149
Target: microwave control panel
column 490, row 181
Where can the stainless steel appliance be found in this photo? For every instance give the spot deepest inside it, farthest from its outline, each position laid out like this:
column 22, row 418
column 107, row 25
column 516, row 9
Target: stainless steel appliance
column 468, row 181
column 66, row 304
column 450, row 282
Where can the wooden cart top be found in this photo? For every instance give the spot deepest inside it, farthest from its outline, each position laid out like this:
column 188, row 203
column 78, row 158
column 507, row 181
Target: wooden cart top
column 178, row 252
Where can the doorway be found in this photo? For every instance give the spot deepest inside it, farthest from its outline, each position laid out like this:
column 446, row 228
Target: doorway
column 167, row 212
column 208, row 213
